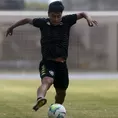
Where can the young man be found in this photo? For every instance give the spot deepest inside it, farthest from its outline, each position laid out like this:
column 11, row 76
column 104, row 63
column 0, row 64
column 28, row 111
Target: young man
column 54, row 48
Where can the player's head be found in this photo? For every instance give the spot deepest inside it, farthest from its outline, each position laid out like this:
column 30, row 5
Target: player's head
column 55, row 12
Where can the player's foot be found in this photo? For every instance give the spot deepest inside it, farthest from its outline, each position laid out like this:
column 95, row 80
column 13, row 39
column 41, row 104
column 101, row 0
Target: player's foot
column 40, row 102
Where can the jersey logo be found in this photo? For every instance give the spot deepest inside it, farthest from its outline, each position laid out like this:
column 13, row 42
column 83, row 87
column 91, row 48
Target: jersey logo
column 51, row 72
column 48, row 23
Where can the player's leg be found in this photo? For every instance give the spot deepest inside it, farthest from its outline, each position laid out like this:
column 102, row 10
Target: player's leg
column 61, row 83
column 60, row 96
column 47, row 79
column 41, row 92
column 46, row 82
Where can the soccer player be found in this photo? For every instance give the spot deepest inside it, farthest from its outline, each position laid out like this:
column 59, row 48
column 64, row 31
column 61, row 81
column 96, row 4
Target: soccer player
column 54, row 48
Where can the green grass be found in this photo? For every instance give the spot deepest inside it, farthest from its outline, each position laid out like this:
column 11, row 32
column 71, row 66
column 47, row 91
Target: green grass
column 85, row 99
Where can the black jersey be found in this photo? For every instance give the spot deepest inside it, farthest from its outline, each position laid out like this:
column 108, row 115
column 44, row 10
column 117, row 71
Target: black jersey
column 55, row 39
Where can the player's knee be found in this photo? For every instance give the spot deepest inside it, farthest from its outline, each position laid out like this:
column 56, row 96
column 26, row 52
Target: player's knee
column 48, row 81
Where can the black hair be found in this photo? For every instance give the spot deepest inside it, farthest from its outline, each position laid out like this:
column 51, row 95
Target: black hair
column 56, row 6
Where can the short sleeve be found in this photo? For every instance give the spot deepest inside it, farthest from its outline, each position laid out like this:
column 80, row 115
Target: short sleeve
column 38, row 22
column 70, row 19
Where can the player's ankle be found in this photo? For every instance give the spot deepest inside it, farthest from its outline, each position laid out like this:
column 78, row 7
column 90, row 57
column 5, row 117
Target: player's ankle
column 39, row 98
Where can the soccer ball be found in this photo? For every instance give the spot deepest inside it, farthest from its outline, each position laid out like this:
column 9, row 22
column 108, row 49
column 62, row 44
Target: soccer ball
column 56, row 111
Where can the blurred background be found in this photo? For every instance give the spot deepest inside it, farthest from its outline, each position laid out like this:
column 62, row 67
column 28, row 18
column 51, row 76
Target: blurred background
column 70, row 5
column 91, row 49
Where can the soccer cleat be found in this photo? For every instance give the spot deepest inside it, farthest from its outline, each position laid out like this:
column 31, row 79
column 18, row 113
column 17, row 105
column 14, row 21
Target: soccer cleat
column 40, row 103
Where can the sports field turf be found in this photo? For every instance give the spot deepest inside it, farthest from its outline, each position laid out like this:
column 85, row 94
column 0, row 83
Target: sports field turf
column 85, row 99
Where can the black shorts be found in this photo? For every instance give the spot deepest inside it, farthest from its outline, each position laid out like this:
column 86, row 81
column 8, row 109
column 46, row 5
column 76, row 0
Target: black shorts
column 56, row 70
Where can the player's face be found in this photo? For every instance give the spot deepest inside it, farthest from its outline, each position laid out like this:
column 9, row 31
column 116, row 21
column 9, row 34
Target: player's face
column 55, row 18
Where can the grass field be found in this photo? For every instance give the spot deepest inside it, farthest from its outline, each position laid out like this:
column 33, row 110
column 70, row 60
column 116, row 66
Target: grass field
column 85, row 99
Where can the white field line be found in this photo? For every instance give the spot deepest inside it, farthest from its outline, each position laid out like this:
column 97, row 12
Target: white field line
column 79, row 76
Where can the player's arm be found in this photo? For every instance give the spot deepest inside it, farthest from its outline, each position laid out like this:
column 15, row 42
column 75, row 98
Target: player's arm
column 88, row 18
column 19, row 23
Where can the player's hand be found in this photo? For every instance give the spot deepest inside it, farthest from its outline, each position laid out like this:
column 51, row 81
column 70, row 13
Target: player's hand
column 9, row 31
column 91, row 22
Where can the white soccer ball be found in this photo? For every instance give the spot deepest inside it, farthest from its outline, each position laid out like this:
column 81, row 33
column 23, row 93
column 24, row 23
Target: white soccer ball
column 56, row 111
